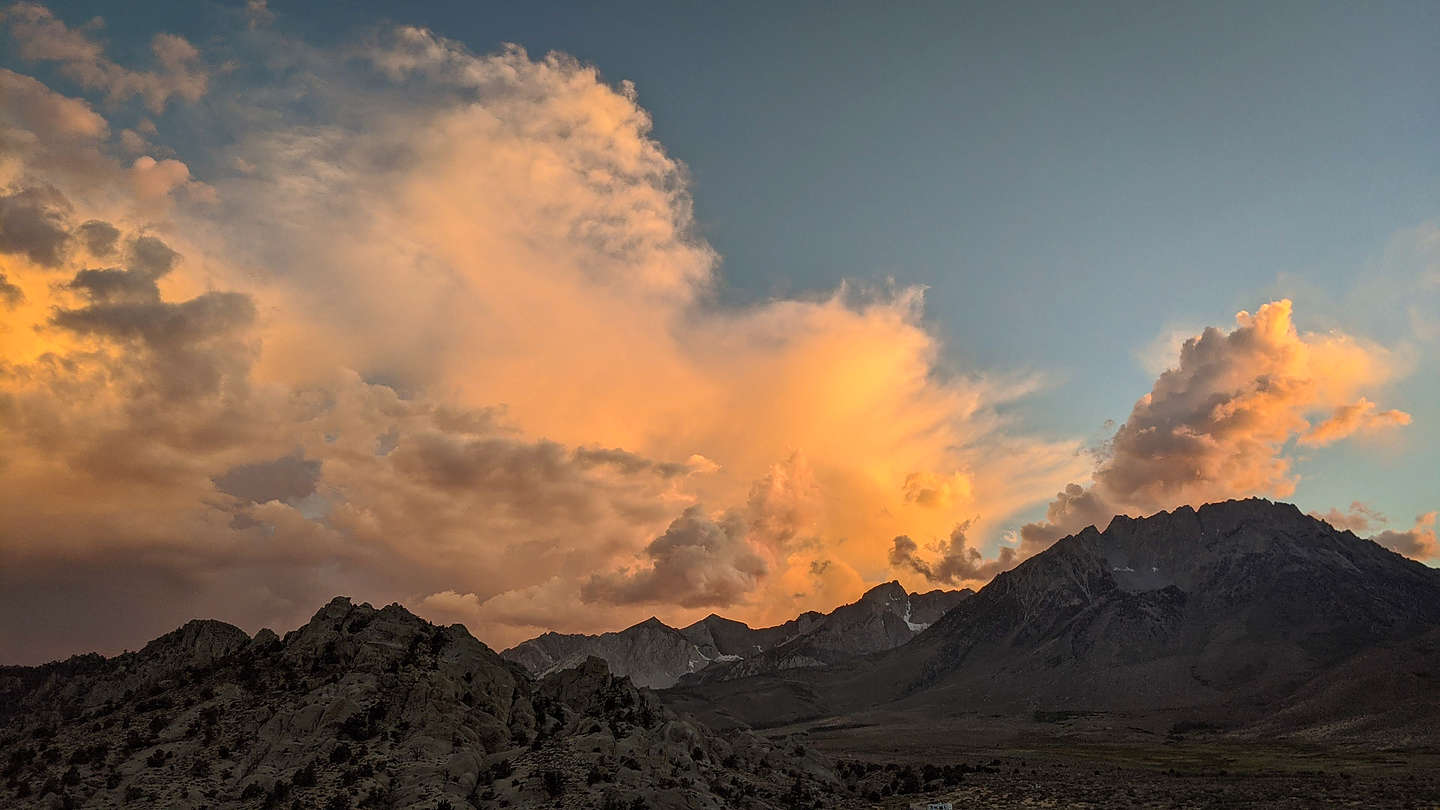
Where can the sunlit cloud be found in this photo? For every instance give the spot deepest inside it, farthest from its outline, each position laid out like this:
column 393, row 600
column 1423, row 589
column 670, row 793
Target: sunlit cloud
column 40, row 36
column 459, row 350
column 1217, row 424
column 455, row 341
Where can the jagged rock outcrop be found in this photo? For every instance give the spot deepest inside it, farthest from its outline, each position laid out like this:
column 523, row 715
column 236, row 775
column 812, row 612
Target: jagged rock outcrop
column 363, row 708
column 658, row 656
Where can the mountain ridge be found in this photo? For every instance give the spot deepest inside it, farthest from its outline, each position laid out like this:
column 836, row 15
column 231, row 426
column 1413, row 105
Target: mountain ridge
column 364, row 707
column 655, row 655
column 1226, row 610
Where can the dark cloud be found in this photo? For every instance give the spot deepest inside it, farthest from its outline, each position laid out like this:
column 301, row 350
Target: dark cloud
column 160, row 324
column 958, row 561
column 1418, row 542
column 113, row 283
column 175, row 350
column 628, row 462
column 98, row 236
column 149, row 260
column 32, row 222
column 152, row 257
column 525, row 476
column 288, row 478
column 1072, row 510
column 10, row 295
column 697, row 562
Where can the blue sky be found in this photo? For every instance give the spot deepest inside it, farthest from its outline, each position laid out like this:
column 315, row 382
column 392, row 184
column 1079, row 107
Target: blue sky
column 1068, row 183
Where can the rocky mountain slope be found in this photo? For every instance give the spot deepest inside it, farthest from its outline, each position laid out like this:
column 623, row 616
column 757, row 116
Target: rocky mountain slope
column 884, row 618
column 1221, row 612
column 656, row 655
column 365, row 708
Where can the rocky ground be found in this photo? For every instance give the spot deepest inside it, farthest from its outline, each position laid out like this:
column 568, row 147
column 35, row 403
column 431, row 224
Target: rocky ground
column 367, row 708
column 896, row 760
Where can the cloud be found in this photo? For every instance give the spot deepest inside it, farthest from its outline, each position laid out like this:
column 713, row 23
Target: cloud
column 99, row 237
column 155, row 179
column 1360, row 518
column 39, row 110
column 32, row 223
column 40, row 36
column 149, row 260
column 957, row 563
column 1215, row 425
column 1346, row 420
column 1418, row 542
column 698, row 562
column 288, row 478
column 453, row 341
column 10, row 294
column 1073, row 508
column 258, row 13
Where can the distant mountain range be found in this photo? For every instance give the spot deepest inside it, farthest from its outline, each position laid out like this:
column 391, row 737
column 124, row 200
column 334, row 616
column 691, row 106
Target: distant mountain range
column 1229, row 612
column 1246, row 619
column 655, row 655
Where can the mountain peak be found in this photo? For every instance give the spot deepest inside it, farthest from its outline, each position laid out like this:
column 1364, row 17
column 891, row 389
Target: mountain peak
column 886, row 591
column 652, row 623
column 198, row 641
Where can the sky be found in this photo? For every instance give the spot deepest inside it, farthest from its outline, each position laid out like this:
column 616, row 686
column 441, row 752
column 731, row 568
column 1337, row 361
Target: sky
column 550, row 317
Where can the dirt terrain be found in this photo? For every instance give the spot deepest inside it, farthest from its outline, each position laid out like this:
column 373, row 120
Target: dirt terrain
column 1100, row 761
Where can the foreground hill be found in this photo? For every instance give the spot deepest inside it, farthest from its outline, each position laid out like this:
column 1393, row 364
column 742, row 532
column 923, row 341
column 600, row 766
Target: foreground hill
column 364, row 708
column 656, row 655
column 1221, row 612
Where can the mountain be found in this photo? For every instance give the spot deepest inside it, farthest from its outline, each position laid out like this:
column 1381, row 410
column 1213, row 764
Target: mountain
column 651, row 654
column 1221, row 612
column 885, row 617
column 365, row 708
column 658, row 656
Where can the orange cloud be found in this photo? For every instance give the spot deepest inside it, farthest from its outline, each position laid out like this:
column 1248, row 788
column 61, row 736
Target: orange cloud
column 457, row 345
column 1215, row 425
column 1418, row 542
column 461, row 353
column 1360, row 518
column 40, row 36
column 1346, row 420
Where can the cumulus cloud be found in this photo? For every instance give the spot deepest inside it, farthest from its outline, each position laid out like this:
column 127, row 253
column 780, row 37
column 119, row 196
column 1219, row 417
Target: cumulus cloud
column 1418, row 542
column 1347, row 420
column 1359, row 518
column 32, row 223
column 452, row 342
column 699, row 561
column 956, row 561
column 1216, row 424
column 155, row 179
column 37, row 109
column 98, row 236
column 41, row 36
